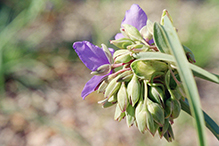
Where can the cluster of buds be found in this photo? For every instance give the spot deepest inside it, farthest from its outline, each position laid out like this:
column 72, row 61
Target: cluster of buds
column 146, row 92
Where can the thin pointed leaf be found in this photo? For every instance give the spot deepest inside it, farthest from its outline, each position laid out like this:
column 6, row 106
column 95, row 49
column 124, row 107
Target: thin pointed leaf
column 187, row 78
column 197, row 71
column 210, row 124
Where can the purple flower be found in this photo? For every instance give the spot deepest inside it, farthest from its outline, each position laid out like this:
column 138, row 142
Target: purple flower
column 136, row 17
column 93, row 57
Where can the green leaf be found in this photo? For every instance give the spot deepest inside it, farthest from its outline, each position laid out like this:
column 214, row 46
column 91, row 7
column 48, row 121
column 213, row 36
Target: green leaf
column 210, row 124
column 160, row 39
column 186, row 77
column 197, row 71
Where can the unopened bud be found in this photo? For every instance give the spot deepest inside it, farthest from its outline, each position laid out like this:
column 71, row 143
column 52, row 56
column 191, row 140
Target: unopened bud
column 119, row 115
column 169, row 136
column 107, row 53
column 113, row 98
column 176, row 108
column 190, row 56
column 146, row 68
column 132, row 33
column 130, row 115
column 162, row 130
column 157, row 95
column 156, row 111
column 147, row 30
column 135, row 48
column 112, row 88
column 122, row 97
column 125, row 76
column 120, row 52
column 133, row 90
column 123, row 58
column 102, row 70
column 122, row 43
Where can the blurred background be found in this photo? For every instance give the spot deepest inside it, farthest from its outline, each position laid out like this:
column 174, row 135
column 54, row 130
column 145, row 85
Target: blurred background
column 41, row 77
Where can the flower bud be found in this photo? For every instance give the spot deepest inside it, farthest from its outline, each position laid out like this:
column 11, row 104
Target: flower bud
column 156, row 111
column 145, row 69
column 157, row 95
column 120, row 52
column 123, row 58
column 176, row 108
column 105, row 103
column 130, row 115
column 169, row 136
column 102, row 86
column 190, row 56
column 168, row 108
column 147, row 30
column 113, row 98
column 122, row 43
column 162, row 130
column 102, row 70
column 112, row 88
column 119, row 115
column 125, row 76
column 134, row 90
column 132, row 33
column 140, row 112
column 107, row 53
column 122, row 97
column 150, row 123
column 135, row 48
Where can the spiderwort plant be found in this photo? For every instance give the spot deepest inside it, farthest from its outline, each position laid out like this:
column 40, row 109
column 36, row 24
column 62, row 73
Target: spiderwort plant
column 155, row 79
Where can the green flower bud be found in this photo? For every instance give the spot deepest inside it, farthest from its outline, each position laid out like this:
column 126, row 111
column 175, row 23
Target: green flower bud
column 132, row 33
column 168, row 108
column 146, row 68
column 112, row 88
column 147, row 30
column 172, row 108
column 125, row 76
column 107, row 53
column 119, row 115
column 122, row 43
column 113, row 98
column 134, row 90
column 140, row 112
column 190, row 56
column 156, row 94
column 162, row 130
column 120, row 52
column 151, row 125
column 156, row 111
column 176, row 108
column 122, row 97
column 135, row 48
column 124, row 58
column 169, row 136
column 102, row 70
column 102, row 86
column 130, row 115
column 105, row 103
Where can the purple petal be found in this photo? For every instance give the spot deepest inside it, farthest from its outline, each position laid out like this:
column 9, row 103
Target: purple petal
column 135, row 16
column 151, row 41
column 92, row 56
column 119, row 36
column 91, row 85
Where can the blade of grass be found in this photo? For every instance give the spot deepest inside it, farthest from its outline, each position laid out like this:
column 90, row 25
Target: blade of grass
column 187, row 79
column 210, row 124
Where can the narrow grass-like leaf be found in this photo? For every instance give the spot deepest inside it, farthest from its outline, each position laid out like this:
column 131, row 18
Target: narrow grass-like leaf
column 187, row 78
column 197, row 71
column 210, row 124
